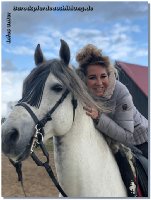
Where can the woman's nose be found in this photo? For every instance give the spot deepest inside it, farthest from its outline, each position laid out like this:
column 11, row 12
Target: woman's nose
column 99, row 81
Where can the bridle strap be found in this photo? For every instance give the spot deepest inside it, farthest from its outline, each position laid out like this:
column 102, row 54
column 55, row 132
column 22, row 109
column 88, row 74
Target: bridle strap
column 39, row 127
column 32, row 114
column 34, row 117
column 41, row 123
column 47, row 117
column 47, row 166
column 18, row 167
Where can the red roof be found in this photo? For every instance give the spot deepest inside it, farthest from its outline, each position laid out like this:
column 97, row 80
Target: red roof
column 138, row 73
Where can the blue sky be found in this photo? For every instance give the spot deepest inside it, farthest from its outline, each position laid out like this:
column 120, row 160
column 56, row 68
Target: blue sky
column 120, row 29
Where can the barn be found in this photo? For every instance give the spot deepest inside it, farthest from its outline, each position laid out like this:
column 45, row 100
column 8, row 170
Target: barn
column 135, row 77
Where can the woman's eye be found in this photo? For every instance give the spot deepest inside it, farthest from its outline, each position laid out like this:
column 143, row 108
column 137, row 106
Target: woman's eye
column 103, row 76
column 92, row 78
column 57, row 88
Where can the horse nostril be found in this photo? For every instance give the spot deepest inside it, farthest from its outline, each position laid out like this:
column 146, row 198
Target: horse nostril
column 9, row 140
column 12, row 137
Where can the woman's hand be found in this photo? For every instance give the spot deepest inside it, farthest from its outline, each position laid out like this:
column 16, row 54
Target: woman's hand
column 92, row 112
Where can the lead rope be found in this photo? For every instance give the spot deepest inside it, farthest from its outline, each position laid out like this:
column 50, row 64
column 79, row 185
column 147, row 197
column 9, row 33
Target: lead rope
column 18, row 167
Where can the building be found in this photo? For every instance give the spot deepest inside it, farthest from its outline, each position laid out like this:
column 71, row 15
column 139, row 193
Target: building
column 135, row 77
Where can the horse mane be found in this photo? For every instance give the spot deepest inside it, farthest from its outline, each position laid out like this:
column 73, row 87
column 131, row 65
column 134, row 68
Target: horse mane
column 34, row 83
column 33, row 86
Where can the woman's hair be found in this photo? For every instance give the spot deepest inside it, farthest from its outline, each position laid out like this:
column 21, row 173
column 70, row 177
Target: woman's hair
column 91, row 55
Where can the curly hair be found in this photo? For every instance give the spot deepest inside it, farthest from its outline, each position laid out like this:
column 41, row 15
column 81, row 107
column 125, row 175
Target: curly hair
column 89, row 55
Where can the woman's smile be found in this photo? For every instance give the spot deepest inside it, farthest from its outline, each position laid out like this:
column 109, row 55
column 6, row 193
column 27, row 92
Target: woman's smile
column 97, row 79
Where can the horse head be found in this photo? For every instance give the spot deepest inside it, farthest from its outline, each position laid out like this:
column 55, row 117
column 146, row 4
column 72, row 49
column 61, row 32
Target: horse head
column 49, row 82
column 42, row 88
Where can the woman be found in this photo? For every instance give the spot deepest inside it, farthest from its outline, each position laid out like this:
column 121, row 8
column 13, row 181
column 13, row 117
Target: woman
column 124, row 123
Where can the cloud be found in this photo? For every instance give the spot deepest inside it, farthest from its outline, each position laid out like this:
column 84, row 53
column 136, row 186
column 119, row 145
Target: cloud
column 102, row 27
column 20, row 50
column 11, row 87
column 125, row 10
column 118, row 41
column 7, row 65
column 141, row 52
column 103, row 12
column 126, row 28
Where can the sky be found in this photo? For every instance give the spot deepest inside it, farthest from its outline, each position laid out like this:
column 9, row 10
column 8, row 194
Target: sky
column 120, row 29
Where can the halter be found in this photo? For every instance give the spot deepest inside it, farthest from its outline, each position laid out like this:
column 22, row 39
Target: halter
column 37, row 139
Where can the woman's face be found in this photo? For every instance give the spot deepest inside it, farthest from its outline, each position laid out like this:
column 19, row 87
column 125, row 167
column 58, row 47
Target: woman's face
column 97, row 79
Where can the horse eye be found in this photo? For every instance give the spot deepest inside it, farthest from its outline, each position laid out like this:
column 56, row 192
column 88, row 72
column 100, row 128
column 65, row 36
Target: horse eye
column 57, row 88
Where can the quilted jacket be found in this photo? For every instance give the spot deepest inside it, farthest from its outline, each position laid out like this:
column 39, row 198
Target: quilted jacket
column 124, row 123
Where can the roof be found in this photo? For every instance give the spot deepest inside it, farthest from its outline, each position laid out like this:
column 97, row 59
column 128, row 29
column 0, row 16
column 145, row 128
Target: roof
column 138, row 73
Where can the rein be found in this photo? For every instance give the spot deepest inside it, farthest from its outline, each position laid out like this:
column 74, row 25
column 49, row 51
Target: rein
column 37, row 141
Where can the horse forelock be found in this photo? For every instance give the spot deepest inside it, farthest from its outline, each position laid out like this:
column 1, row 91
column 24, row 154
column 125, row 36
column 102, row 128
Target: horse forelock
column 34, row 83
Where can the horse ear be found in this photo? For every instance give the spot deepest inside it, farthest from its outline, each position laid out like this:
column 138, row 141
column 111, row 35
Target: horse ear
column 38, row 56
column 64, row 52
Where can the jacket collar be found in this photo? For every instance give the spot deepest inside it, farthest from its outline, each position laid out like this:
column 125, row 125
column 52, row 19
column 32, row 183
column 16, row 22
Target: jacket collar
column 110, row 89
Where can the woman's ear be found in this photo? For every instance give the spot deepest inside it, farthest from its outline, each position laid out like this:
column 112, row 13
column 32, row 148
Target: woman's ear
column 64, row 52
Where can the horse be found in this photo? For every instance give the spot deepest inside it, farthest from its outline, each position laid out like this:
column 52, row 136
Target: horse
column 84, row 163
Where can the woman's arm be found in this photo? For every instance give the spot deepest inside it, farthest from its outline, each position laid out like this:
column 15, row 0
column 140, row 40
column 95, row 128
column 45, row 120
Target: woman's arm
column 121, row 127
column 110, row 128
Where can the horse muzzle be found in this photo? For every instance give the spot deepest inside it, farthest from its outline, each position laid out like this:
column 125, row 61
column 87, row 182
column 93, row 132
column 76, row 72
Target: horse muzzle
column 12, row 144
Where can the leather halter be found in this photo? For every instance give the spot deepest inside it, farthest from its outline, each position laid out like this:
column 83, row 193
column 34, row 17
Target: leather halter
column 37, row 139
column 41, row 123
